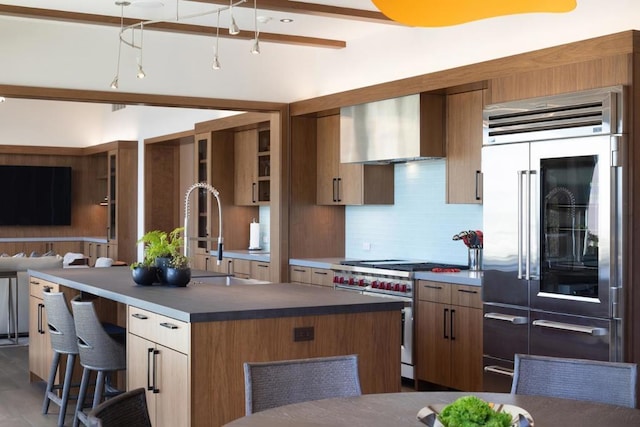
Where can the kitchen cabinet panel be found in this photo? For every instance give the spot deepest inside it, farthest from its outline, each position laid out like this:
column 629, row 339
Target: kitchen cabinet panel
column 343, row 183
column 449, row 335
column 311, row 276
column 464, row 146
column 252, row 167
column 260, row 270
column 301, row 275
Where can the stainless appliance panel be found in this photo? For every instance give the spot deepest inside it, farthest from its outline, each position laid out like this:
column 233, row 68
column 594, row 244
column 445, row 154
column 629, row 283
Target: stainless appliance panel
column 570, row 237
column 497, row 375
column 504, row 207
column 505, row 331
column 561, row 335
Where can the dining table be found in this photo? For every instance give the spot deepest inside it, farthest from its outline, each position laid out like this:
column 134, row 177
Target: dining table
column 401, row 409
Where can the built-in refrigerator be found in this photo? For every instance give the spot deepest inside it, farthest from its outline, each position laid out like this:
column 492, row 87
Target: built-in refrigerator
column 552, row 276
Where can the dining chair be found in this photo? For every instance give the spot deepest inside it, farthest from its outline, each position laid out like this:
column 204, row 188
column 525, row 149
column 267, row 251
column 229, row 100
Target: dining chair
column 271, row 384
column 124, row 410
column 580, row 379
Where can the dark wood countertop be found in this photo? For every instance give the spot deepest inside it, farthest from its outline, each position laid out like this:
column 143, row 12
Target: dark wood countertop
column 215, row 297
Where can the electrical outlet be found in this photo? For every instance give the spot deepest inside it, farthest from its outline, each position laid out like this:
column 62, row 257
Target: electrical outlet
column 303, row 333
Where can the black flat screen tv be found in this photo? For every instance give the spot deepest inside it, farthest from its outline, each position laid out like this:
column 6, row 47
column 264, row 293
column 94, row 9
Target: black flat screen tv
column 35, row 195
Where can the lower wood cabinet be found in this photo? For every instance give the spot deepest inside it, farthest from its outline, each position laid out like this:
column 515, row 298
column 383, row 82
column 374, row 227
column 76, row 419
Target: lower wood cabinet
column 311, row 276
column 449, row 335
column 157, row 359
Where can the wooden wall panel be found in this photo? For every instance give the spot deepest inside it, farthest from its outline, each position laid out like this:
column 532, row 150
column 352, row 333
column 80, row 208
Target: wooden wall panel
column 602, row 72
column 162, row 180
column 316, row 231
column 219, row 350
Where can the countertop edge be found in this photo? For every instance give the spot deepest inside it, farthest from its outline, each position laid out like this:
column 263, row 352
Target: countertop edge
column 470, row 278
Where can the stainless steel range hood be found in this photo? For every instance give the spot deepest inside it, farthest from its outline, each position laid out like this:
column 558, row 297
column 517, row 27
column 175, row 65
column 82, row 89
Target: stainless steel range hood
column 393, row 130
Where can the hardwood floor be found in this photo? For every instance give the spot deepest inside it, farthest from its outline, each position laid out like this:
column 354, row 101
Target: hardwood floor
column 20, row 400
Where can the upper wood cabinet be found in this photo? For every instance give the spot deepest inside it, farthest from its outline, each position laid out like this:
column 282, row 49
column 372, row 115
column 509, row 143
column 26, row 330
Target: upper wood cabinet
column 464, row 146
column 347, row 183
column 252, row 167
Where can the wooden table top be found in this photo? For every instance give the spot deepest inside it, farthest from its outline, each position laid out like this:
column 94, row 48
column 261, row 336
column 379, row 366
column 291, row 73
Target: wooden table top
column 400, row 409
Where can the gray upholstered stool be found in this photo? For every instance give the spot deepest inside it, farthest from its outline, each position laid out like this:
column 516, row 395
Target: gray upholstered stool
column 63, row 341
column 98, row 352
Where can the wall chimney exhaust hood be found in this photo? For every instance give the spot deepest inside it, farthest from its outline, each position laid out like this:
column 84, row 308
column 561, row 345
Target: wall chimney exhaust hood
column 393, row 130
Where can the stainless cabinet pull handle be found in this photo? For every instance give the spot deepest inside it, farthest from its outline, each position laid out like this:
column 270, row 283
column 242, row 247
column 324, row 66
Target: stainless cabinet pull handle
column 139, row 316
column 516, row 320
column 320, row 272
column 299, row 270
column 520, row 225
column 589, row 330
column 169, row 325
column 432, row 287
column 253, row 192
column 477, row 185
column 466, row 291
column 334, row 195
column 339, row 196
column 499, row 370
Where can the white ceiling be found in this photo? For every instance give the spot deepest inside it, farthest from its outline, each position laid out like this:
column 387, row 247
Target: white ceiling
column 44, row 53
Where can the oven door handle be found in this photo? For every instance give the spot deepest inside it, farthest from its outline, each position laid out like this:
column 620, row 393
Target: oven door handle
column 515, row 320
column 589, row 330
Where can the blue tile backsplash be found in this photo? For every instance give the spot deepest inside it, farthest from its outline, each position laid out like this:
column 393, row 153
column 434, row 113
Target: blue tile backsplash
column 419, row 225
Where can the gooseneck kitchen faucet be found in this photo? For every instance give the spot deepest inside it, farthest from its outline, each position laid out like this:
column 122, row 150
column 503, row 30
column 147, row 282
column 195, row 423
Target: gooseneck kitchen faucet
column 215, row 194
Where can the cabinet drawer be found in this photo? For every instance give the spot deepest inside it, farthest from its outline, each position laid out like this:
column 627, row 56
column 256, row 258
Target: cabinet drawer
column 300, row 274
column 434, row 291
column 467, row 296
column 160, row 329
column 241, row 267
column 322, row 277
column 37, row 286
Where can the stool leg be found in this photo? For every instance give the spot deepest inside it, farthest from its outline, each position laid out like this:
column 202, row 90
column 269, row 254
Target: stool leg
column 84, row 384
column 50, row 382
column 99, row 390
column 66, row 388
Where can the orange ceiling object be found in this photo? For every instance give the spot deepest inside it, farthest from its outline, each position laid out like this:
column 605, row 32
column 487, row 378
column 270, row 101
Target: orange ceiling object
column 440, row 13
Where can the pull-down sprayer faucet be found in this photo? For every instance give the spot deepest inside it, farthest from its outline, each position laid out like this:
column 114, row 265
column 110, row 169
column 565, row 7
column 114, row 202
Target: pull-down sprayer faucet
column 215, row 194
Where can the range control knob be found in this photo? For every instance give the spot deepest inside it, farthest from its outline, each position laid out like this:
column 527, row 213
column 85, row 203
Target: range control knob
column 351, row 282
column 389, row 286
column 403, row 288
column 374, row 284
column 361, row 282
column 396, row 287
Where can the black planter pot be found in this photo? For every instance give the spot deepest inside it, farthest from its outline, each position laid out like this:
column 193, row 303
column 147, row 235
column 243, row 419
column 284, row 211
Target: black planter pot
column 162, row 263
column 177, row 276
column 144, row 276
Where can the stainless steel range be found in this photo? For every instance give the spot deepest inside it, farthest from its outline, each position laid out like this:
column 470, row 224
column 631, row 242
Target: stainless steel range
column 387, row 279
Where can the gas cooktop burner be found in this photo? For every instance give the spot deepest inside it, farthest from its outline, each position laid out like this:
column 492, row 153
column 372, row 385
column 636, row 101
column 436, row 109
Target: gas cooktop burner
column 401, row 265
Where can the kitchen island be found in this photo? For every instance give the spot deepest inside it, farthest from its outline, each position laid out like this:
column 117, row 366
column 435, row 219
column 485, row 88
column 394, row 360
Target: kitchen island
column 188, row 344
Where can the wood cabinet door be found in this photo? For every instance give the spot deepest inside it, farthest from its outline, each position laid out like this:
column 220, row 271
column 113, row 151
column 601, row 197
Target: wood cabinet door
column 172, row 400
column 246, row 167
column 466, row 349
column 39, row 343
column 322, row 277
column 261, row 270
column 464, row 146
column 350, row 183
column 433, row 342
column 139, row 359
column 328, row 158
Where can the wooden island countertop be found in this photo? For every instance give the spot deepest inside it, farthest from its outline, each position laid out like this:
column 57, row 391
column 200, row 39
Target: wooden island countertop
column 203, row 333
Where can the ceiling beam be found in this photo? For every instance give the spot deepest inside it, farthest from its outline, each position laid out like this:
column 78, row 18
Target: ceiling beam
column 174, row 27
column 314, row 10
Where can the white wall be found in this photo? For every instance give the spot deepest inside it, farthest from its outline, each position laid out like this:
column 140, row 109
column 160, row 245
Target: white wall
column 419, row 225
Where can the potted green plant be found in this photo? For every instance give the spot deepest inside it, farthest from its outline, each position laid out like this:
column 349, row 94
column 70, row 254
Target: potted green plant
column 144, row 272
column 178, row 272
column 160, row 247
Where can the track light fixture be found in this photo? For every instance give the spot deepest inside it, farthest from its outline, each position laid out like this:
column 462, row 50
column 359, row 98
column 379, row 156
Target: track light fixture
column 127, row 34
column 255, row 48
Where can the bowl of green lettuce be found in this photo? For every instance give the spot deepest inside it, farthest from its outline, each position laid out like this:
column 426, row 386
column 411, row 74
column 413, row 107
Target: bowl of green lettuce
column 470, row 411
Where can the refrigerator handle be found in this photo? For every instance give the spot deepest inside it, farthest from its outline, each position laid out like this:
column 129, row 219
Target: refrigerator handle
column 528, row 227
column 520, row 225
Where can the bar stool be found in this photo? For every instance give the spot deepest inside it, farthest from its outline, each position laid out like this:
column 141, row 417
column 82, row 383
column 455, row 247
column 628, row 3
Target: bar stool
column 63, row 341
column 98, row 352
